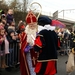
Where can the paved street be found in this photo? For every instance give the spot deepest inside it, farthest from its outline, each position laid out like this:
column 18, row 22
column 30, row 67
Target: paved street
column 61, row 68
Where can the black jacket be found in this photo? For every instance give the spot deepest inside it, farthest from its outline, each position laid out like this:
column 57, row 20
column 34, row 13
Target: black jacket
column 49, row 50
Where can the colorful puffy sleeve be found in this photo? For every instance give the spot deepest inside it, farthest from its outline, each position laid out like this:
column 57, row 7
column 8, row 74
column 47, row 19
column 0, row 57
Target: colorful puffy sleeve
column 39, row 43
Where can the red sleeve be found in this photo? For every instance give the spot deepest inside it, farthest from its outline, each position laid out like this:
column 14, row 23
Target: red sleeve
column 38, row 42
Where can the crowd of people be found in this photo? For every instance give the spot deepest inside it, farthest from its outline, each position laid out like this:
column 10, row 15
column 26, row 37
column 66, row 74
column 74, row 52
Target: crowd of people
column 8, row 40
column 34, row 43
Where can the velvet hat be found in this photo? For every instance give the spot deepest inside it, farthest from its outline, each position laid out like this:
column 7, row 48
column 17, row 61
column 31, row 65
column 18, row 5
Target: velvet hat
column 44, row 20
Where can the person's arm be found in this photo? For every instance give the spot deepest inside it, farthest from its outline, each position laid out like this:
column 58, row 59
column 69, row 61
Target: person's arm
column 39, row 43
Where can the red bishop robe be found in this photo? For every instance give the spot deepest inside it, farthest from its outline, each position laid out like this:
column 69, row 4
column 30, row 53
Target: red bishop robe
column 23, row 61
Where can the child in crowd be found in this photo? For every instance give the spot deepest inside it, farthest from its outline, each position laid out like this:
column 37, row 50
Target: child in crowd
column 2, row 46
column 9, row 16
column 12, row 26
column 12, row 40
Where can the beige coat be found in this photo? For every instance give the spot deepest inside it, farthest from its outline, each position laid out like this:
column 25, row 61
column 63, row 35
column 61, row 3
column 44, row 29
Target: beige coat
column 70, row 66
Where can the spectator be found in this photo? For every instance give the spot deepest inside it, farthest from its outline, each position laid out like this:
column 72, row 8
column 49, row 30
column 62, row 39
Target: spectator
column 12, row 40
column 23, row 43
column 2, row 46
column 9, row 16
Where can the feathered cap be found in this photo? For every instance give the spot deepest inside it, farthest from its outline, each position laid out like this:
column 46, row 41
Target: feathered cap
column 31, row 18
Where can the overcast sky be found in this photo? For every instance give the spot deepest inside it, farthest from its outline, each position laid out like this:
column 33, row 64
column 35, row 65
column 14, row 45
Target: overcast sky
column 54, row 5
column 51, row 6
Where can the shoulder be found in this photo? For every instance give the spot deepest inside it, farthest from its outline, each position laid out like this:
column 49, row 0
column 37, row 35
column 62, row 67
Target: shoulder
column 43, row 32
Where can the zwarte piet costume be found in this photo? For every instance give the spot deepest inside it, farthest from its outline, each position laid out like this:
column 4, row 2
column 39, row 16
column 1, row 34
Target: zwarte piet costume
column 46, row 44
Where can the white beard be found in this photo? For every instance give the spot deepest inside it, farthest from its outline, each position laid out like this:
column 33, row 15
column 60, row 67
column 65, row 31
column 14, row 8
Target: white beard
column 31, row 35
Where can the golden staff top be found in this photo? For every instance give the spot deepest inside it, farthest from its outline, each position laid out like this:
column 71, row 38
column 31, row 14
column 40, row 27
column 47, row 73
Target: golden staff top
column 35, row 9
